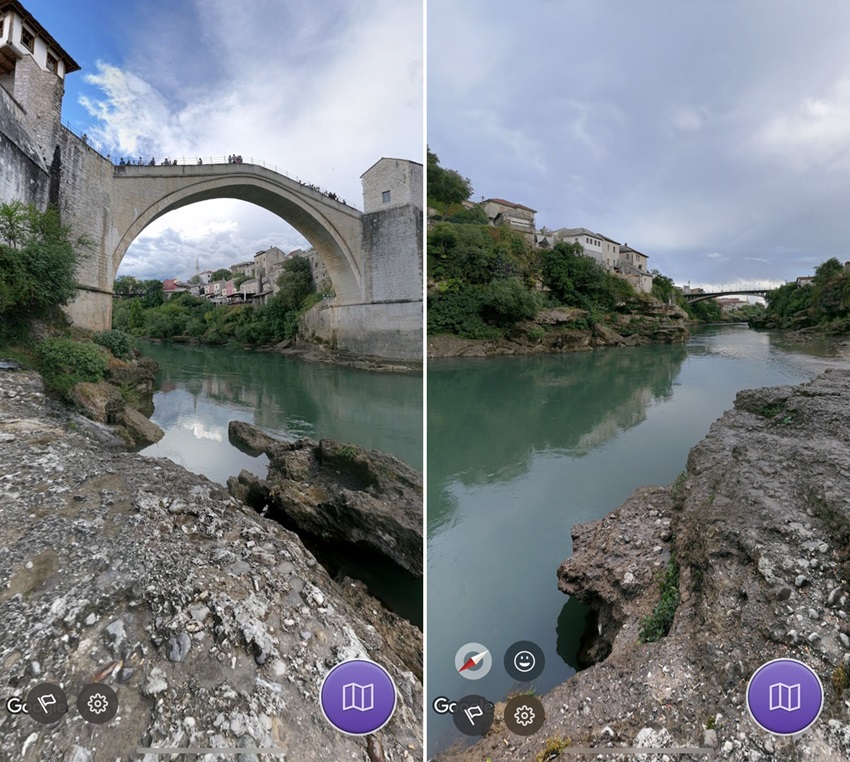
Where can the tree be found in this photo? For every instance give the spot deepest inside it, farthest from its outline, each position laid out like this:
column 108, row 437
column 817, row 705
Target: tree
column 222, row 274
column 826, row 271
column 295, row 284
column 127, row 285
column 38, row 262
column 445, row 186
column 153, row 295
column 663, row 287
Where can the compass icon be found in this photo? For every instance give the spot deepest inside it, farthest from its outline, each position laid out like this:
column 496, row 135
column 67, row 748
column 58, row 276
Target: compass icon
column 473, row 661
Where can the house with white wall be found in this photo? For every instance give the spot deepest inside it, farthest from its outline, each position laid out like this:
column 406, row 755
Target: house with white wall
column 604, row 250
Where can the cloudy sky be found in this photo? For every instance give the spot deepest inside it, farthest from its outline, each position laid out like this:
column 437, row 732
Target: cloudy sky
column 321, row 90
column 713, row 135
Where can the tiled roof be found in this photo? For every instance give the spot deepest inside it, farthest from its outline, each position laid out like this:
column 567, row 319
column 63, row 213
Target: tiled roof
column 509, row 203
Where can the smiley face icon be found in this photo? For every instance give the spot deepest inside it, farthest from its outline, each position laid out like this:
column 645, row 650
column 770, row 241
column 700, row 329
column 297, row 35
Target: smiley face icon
column 524, row 661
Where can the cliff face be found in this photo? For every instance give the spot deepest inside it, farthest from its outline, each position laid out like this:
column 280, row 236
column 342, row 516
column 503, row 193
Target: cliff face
column 214, row 626
column 760, row 528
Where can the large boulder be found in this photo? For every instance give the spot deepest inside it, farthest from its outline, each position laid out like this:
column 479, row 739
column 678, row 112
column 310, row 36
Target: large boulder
column 141, row 430
column 214, row 626
column 99, row 400
column 344, row 493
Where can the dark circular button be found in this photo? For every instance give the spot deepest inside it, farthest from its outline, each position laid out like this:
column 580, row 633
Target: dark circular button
column 524, row 715
column 47, row 703
column 473, row 715
column 524, row 661
column 97, row 703
column 784, row 697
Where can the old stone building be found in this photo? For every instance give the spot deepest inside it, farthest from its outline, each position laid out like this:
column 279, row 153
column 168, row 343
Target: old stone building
column 515, row 216
column 392, row 183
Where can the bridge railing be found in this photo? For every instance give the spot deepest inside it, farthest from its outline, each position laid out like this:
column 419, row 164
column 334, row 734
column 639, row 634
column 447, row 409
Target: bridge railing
column 191, row 161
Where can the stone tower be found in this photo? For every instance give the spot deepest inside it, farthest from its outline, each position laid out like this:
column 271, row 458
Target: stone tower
column 33, row 67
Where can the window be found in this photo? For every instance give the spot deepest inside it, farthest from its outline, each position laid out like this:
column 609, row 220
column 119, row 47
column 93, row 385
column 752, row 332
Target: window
column 385, row 197
column 52, row 63
column 27, row 39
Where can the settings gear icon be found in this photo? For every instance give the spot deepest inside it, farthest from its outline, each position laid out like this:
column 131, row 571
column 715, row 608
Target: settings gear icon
column 524, row 715
column 98, row 703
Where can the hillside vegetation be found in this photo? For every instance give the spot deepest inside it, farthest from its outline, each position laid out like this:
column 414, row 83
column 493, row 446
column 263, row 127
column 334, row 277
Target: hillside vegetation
column 822, row 306
column 490, row 283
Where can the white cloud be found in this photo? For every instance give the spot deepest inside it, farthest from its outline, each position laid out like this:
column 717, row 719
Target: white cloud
column 814, row 135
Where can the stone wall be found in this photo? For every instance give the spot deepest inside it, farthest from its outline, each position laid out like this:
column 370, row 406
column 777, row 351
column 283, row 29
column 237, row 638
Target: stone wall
column 40, row 94
column 392, row 331
column 392, row 254
column 23, row 173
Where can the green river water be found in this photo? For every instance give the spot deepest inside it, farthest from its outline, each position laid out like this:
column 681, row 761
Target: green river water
column 522, row 448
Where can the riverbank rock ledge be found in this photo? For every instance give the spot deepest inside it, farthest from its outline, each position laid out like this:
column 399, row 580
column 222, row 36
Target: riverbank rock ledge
column 213, row 625
column 760, row 529
column 569, row 329
column 338, row 492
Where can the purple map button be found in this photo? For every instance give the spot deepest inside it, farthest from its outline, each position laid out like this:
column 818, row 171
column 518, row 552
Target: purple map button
column 358, row 697
column 784, row 697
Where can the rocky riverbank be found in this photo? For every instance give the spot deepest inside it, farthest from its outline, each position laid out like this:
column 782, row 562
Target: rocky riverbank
column 568, row 329
column 301, row 349
column 759, row 529
column 213, row 625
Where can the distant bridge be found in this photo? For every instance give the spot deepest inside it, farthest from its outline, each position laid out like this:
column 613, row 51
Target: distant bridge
column 731, row 291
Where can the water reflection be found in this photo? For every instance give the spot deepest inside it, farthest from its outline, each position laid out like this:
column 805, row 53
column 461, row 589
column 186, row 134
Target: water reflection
column 491, row 416
column 201, row 389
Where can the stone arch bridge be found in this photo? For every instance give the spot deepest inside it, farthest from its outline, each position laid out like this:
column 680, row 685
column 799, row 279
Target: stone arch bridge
column 142, row 194
column 373, row 258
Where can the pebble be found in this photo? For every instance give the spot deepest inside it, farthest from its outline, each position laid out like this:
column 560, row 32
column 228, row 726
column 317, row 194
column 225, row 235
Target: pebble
column 156, row 682
column 845, row 641
column 801, row 580
column 709, row 738
column 178, row 648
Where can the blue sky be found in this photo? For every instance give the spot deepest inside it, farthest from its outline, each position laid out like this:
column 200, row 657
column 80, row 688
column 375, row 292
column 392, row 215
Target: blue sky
column 712, row 135
column 321, row 90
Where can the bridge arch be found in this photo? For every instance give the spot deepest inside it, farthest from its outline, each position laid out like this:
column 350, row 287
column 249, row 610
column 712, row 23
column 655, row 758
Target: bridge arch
column 142, row 195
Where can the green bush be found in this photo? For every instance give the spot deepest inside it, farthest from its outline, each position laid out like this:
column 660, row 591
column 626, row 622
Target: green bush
column 507, row 300
column 64, row 362
column 119, row 343
column 536, row 333
column 37, row 262
column 458, row 310
column 658, row 623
